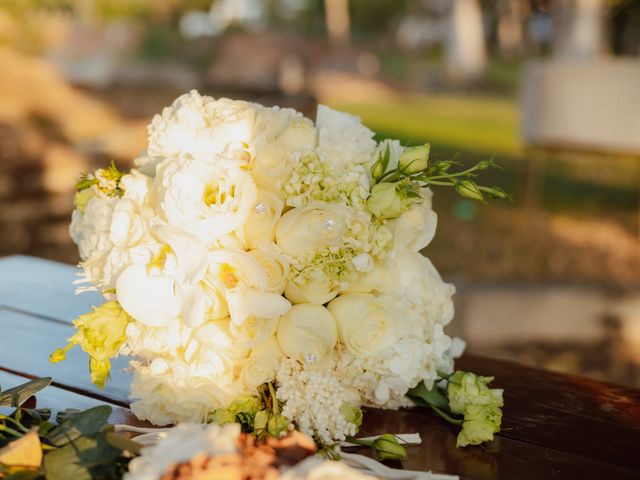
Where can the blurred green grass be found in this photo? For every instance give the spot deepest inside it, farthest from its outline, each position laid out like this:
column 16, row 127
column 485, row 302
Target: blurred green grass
column 449, row 122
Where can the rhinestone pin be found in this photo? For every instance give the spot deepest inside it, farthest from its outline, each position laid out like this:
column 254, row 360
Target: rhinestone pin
column 310, row 358
column 329, row 224
column 260, row 208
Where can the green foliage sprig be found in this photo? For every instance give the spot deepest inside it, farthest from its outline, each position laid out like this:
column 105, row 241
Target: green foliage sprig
column 415, row 168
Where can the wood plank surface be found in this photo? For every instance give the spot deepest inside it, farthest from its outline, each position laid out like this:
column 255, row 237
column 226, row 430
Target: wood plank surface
column 554, row 426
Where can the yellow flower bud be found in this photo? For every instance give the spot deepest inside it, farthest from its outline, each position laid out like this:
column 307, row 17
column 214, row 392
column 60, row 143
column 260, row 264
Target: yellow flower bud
column 414, row 159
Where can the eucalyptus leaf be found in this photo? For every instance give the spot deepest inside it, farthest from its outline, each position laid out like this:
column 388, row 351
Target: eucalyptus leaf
column 78, row 459
column 23, row 475
column 15, row 397
column 422, row 396
column 84, row 423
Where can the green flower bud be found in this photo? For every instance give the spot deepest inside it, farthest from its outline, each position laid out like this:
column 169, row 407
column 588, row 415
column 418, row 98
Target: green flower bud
column 387, row 447
column 469, row 189
column 414, row 159
column 480, row 423
column 222, row 416
column 467, row 388
column 389, row 200
column 245, row 409
column 351, row 414
column 277, row 425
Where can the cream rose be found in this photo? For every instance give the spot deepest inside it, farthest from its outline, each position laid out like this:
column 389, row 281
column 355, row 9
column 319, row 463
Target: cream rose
column 204, row 198
column 261, row 222
column 319, row 291
column 308, row 333
column 366, row 324
column 318, row 225
column 262, row 363
column 275, row 265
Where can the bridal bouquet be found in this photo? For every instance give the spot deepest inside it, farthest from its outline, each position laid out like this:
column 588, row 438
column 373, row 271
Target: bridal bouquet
column 262, row 269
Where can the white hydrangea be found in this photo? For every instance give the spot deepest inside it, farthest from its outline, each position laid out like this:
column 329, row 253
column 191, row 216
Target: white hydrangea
column 312, row 399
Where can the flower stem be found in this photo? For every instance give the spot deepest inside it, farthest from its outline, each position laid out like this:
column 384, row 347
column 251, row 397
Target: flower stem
column 444, row 415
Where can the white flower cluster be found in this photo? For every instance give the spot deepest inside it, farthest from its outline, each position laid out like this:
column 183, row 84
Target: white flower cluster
column 299, row 388
column 247, row 236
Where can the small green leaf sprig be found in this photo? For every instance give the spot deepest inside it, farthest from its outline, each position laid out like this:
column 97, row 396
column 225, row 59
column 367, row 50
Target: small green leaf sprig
column 415, row 170
column 464, row 399
column 259, row 415
column 105, row 179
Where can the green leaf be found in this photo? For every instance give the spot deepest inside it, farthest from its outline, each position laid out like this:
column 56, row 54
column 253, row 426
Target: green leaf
column 15, row 397
column 422, row 396
column 24, row 475
column 77, row 459
column 84, row 423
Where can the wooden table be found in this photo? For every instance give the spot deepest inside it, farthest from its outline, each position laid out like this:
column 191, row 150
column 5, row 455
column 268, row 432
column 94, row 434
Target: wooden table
column 555, row 425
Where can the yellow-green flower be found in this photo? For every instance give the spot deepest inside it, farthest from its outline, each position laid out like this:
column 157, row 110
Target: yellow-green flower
column 82, row 197
column 467, row 388
column 480, row 423
column 390, row 200
column 414, row 159
column 100, row 333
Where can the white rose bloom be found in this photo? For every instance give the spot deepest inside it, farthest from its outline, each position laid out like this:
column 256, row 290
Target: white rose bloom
column 181, row 444
column 416, row 227
column 342, row 139
column 320, row 290
column 366, row 323
column 262, row 364
column 308, row 333
column 318, row 225
column 260, row 225
column 200, row 125
column 202, row 197
column 275, row 265
column 90, row 231
column 137, row 187
column 148, row 342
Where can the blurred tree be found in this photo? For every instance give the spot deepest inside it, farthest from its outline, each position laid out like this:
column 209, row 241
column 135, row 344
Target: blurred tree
column 465, row 50
column 579, row 29
column 338, row 21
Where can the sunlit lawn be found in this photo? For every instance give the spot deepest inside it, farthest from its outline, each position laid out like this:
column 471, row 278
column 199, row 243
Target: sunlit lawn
column 473, row 124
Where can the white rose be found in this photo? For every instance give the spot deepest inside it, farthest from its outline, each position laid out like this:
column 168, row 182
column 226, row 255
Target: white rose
column 366, row 324
column 415, row 228
column 275, row 265
column 308, row 332
column 318, row 225
column 261, row 221
column 204, row 198
column 90, row 231
column 262, row 364
column 284, row 127
column 200, row 125
column 127, row 225
column 318, row 291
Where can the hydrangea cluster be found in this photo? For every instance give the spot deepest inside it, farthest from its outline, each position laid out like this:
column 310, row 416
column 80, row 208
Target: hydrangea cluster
column 250, row 246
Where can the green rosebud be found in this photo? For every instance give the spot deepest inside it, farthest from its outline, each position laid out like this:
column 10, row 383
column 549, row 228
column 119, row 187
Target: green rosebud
column 277, row 426
column 389, row 200
column 387, row 447
column 351, row 414
column 222, row 416
column 466, row 388
column 469, row 189
column 480, row 423
column 414, row 159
